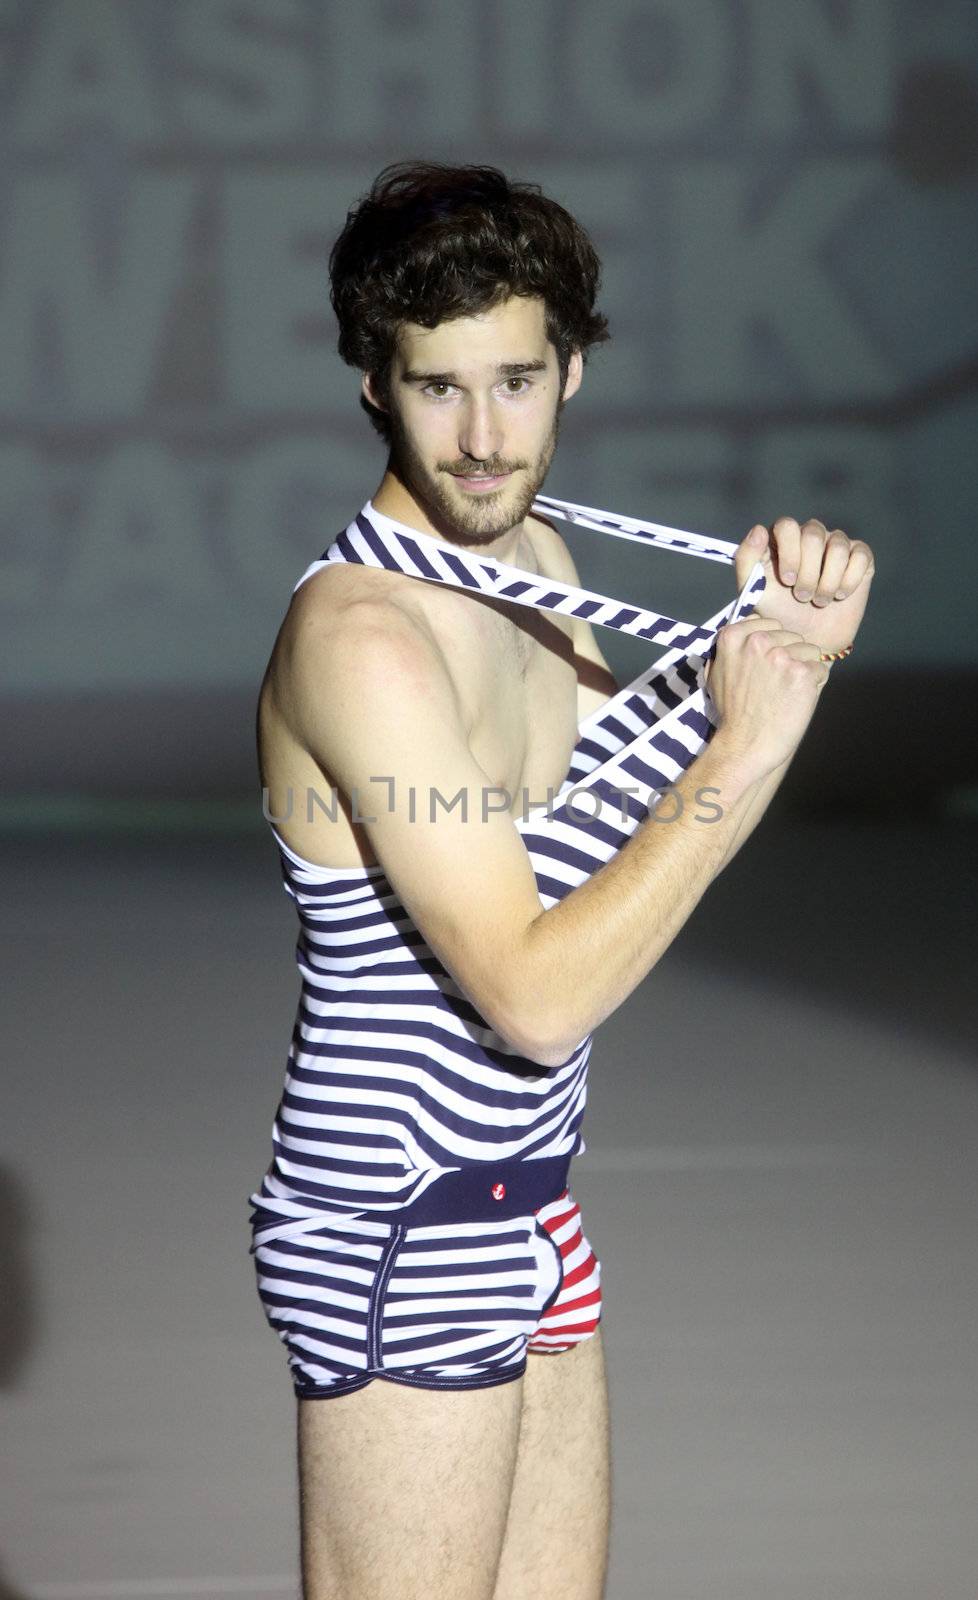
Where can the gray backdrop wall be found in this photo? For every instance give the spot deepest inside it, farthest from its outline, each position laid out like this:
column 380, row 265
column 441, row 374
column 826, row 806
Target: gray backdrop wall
column 783, row 193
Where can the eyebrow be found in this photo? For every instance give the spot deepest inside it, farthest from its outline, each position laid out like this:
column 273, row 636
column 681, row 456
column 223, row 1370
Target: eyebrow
column 505, row 369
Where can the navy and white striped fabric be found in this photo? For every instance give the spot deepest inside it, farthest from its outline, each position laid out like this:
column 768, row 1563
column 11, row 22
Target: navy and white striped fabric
column 445, row 1306
column 393, row 1077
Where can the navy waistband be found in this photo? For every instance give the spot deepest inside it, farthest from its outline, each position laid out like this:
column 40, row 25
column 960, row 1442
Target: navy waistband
column 490, row 1191
column 487, row 1191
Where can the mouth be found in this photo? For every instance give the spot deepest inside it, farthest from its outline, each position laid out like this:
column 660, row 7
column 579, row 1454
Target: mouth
column 479, row 482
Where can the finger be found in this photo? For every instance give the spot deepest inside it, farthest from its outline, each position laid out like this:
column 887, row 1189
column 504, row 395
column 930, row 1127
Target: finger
column 751, row 624
column 804, row 650
column 860, row 565
column 752, row 548
column 762, row 640
column 813, row 537
column 794, row 646
column 834, row 563
column 783, row 636
column 786, row 541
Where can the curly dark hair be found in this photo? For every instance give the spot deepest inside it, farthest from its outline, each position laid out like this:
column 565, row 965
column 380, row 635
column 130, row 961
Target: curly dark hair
column 431, row 242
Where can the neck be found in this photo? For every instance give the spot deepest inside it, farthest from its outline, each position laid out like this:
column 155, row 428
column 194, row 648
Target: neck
column 394, row 499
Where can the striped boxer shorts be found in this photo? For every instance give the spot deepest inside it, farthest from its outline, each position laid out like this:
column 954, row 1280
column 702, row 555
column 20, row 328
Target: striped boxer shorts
column 453, row 1294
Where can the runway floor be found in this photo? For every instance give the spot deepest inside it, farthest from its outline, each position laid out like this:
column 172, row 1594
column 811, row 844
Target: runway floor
column 780, row 1182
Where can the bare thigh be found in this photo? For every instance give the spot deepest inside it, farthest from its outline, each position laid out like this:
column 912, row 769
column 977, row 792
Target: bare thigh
column 404, row 1491
column 556, row 1544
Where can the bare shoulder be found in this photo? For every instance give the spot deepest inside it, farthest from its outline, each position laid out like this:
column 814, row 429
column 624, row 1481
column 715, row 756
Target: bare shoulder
column 352, row 630
column 550, row 548
column 346, row 602
column 340, row 588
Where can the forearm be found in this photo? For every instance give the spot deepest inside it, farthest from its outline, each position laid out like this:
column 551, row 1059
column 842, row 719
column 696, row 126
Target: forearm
column 581, row 958
column 761, row 796
column 755, row 808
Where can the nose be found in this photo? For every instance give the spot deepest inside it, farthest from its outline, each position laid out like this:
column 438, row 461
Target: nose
column 480, row 431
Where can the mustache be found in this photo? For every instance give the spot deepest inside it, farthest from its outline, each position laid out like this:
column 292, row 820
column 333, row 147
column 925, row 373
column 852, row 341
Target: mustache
column 486, row 469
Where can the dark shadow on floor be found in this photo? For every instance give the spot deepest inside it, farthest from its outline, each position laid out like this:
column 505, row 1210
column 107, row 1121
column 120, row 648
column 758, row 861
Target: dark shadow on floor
column 874, row 915
column 18, row 1309
column 8, row 1592
column 871, row 913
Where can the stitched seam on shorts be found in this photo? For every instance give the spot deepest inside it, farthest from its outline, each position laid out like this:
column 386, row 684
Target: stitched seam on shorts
column 506, row 1376
column 342, row 1387
column 560, row 1266
column 375, row 1309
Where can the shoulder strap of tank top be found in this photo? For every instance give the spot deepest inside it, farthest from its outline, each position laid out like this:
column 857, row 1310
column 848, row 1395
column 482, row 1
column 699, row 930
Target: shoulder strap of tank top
column 376, row 540
column 653, row 533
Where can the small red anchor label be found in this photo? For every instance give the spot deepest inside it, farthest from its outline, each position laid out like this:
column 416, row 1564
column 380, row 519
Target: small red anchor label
column 498, row 1191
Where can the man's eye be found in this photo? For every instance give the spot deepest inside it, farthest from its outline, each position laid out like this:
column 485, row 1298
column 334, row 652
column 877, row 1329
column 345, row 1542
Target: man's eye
column 521, row 383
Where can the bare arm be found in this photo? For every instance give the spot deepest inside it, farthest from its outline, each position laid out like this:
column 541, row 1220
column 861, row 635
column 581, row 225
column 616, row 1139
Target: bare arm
column 586, row 954
column 372, row 699
column 760, row 798
column 593, row 948
column 596, row 685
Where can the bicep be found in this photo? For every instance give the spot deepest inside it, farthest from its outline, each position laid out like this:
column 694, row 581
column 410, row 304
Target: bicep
column 379, row 713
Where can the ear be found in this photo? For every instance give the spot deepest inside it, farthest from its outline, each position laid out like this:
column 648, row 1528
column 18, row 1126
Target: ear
column 369, row 392
column 575, row 372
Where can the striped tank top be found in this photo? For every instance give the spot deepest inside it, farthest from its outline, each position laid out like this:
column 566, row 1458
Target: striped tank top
column 393, row 1078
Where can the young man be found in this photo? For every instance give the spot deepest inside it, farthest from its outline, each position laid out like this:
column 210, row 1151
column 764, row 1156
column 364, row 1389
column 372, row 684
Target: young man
column 479, row 1470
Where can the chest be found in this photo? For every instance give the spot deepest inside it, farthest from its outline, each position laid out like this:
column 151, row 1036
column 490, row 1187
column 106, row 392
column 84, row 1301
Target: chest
column 515, row 673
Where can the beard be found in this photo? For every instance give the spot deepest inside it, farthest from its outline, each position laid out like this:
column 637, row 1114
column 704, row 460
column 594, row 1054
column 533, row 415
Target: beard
column 482, row 518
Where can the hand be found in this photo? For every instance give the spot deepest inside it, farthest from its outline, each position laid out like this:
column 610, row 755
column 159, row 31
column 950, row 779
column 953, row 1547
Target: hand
column 805, row 568
column 764, row 681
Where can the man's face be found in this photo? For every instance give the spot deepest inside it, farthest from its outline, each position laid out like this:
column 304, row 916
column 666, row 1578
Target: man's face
column 474, row 412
